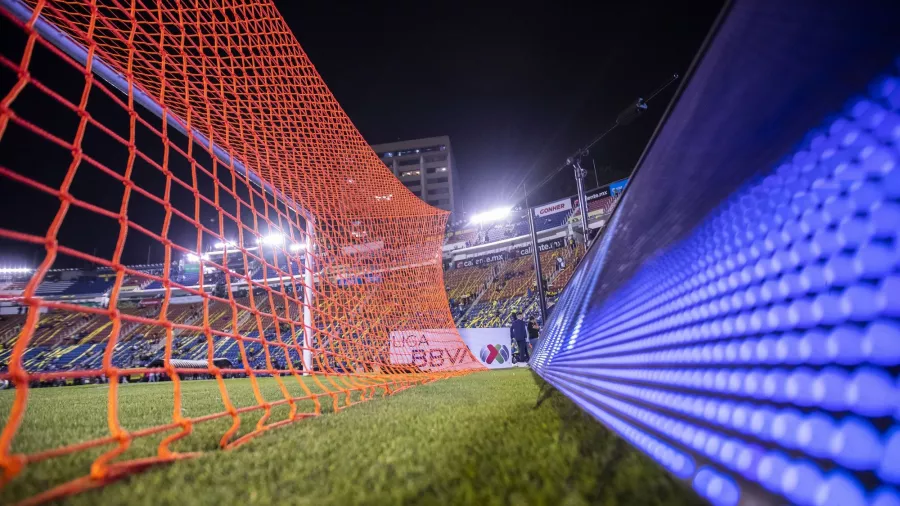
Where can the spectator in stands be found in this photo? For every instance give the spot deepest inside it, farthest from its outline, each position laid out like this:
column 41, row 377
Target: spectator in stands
column 519, row 333
column 560, row 263
column 572, row 243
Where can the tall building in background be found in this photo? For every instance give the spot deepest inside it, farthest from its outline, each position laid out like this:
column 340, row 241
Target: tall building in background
column 425, row 166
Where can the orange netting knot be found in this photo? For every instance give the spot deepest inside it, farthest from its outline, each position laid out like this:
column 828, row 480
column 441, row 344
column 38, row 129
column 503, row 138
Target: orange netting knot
column 12, row 465
column 99, row 470
column 64, row 195
column 121, row 436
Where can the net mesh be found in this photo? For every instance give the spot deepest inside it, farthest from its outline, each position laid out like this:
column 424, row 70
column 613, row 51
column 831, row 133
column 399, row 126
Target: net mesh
column 200, row 132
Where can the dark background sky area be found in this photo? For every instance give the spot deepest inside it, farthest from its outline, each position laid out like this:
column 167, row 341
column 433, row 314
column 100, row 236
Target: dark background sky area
column 516, row 90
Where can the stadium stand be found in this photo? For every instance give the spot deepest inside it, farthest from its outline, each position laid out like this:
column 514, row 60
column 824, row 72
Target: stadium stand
column 497, row 290
column 465, row 284
column 560, row 279
column 69, row 341
column 548, row 222
column 486, row 295
column 465, row 236
column 12, row 286
column 479, row 296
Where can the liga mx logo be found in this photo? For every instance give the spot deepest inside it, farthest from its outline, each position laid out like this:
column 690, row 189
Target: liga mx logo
column 494, row 353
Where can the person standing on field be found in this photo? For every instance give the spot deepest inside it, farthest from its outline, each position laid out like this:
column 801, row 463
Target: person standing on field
column 533, row 331
column 519, row 333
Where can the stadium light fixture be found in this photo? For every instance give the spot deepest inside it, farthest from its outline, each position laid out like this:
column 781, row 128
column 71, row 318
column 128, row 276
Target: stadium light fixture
column 221, row 245
column 194, row 258
column 501, row 213
column 272, row 240
column 15, row 270
column 297, row 247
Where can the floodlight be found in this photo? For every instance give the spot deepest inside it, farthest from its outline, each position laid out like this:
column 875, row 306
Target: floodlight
column 15, row 270
column 501, row 213
column 221, row 245
column 272, row 240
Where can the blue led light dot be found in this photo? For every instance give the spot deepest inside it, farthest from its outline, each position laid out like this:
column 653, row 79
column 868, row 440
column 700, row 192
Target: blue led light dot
column 800, row 482
column 814, row 435
column 889, row 468
column 770, row 470
column 840, row 489
column 719, row 489
column 855, row 444
column 871, row 392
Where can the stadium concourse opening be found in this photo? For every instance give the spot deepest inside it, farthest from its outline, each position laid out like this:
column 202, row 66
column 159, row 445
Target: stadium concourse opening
column 287, row 256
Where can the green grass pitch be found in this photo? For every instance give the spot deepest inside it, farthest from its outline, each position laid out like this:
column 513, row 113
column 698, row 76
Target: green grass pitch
column 476, row 439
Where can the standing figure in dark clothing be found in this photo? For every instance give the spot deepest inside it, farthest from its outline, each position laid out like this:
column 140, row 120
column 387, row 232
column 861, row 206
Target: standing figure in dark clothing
column 533, row 332
column 518, row 332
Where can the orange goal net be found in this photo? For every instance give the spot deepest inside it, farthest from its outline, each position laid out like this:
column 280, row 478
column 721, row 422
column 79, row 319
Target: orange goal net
column 199, row 207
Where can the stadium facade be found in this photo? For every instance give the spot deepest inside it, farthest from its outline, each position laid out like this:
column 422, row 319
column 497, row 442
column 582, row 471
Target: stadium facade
column 425, row 166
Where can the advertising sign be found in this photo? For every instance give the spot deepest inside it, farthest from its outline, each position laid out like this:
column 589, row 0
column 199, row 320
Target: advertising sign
column 553, row 207
column 481, row 260
column 359, row 280
column 617, row 187
column 557, row 243
column 369, row 247
column 490, row 346
column 430, row 349
column 610, row 190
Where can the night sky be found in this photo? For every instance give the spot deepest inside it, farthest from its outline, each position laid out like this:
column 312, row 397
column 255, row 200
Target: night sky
column 515, row 90
column 512, row 88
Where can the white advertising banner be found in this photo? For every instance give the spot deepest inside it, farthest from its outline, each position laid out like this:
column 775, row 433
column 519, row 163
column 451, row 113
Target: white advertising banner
column 430, row 349
column 440, row 349
column 553, row 207
column 490, row 346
